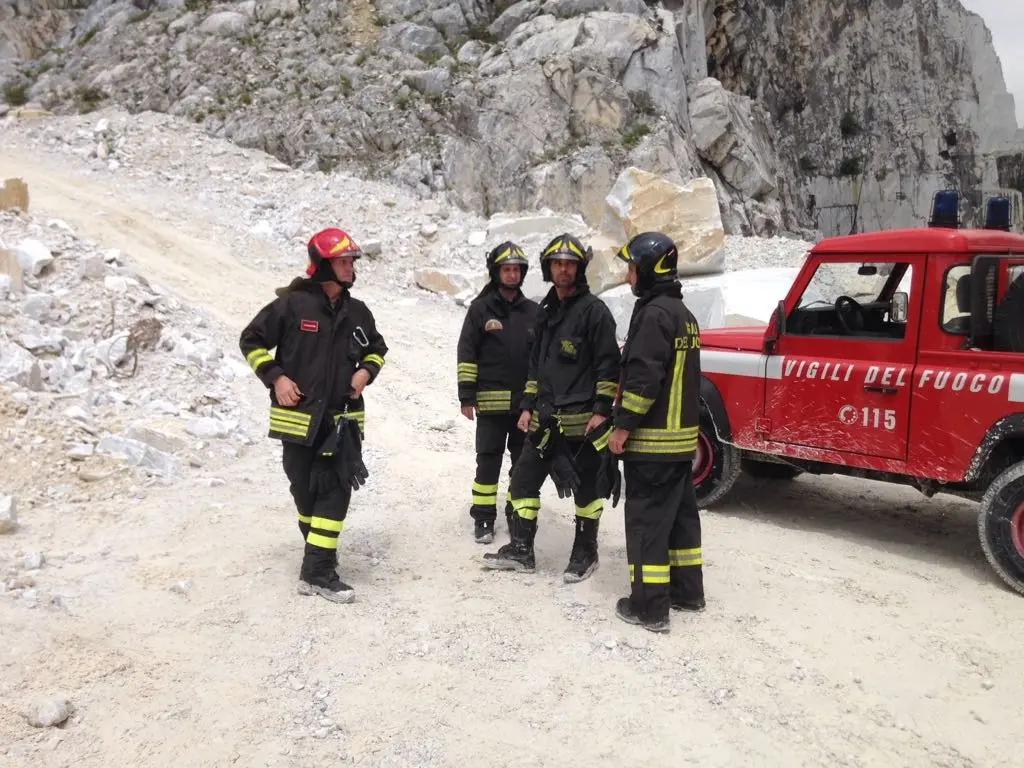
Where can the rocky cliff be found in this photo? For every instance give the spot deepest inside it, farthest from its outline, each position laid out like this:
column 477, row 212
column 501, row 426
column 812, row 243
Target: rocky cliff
column 838, row 115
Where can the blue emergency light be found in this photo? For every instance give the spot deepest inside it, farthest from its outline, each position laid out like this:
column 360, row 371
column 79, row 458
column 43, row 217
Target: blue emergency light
column 946, row 209
column 997, row 213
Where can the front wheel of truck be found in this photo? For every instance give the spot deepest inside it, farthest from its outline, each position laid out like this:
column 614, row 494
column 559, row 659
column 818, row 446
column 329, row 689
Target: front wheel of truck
column 1001, row 526
column 716, row 465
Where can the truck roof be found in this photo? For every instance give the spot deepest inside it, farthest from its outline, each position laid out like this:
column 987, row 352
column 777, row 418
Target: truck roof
column 922, row 240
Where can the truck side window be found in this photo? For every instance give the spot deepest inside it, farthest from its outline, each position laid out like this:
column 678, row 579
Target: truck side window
column 956, row 299
column 852, row 300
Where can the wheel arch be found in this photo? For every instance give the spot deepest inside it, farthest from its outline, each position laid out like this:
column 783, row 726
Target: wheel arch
column 712, row 400
column 1005, row 435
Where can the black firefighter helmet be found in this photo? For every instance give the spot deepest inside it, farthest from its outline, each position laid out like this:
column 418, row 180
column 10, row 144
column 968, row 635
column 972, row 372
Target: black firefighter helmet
column 506, row 253
column 565, row 246
column 656, row 259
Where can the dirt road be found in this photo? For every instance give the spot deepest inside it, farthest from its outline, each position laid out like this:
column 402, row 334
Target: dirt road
column 848, row 624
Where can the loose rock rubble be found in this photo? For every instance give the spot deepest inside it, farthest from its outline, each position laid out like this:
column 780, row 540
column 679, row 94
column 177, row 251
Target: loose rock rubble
column 100, row 369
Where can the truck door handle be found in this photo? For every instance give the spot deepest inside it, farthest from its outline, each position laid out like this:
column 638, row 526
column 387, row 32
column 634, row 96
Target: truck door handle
column 883, row 390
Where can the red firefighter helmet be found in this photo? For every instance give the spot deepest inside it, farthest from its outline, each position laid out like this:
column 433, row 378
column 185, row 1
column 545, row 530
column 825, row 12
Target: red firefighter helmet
column 329, row 244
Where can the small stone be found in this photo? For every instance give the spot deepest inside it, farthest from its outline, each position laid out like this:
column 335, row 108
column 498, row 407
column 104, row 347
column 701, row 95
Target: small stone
column 48, row 713
column 429, row 230
column 115, row 284
column 181, row 587
column 610, row 644
column 80, row 452
column 8, row 514
column 988, row 685
column 296, row 684
column 33, row 561
column 33, row 257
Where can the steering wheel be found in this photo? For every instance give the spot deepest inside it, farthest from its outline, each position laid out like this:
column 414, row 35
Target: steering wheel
column 850, row 314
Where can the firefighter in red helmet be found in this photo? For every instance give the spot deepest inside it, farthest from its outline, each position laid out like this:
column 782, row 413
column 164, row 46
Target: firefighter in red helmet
column 327, row 351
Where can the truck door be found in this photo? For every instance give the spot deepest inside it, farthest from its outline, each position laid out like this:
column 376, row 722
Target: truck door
column 843, row 366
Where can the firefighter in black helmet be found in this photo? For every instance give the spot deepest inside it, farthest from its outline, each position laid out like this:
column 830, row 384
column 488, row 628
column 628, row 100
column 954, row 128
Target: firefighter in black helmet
column 574, row 366
column 493, row 355
column 655, row 425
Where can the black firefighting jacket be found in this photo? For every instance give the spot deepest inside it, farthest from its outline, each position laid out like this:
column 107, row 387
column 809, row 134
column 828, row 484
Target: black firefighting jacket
column 494, row 352
column 574, row 364
column 319, row 347
column 659, row 398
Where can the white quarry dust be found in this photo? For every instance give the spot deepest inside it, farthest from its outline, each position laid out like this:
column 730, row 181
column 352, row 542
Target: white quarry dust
column 848, row 623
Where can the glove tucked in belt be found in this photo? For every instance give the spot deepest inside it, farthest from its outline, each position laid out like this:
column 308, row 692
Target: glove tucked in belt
column 345, row 445
column 608, row 480
column 551, row 445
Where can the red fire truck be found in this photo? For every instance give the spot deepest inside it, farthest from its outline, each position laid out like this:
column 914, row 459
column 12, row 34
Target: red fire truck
column 896, row 356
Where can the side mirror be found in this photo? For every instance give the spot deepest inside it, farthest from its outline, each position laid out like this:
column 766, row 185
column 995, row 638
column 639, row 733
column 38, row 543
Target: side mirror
column 776, row 328
column 898, row 307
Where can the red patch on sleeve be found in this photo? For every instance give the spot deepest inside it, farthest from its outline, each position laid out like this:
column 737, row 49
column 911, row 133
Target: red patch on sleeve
column 309, row 325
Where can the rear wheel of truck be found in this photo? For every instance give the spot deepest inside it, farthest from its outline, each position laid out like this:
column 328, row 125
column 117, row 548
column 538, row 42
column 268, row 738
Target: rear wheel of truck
column 1001, row 526
column 716, row 465
column 770, row 470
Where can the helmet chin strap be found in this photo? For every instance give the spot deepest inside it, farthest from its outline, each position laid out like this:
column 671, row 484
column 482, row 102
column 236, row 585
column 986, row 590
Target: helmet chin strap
column 325, row 274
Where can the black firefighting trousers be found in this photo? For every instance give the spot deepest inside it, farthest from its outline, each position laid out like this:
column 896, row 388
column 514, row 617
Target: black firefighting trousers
column 493, row 433
column 320, row 500
column 662, row 536
column 530, row 472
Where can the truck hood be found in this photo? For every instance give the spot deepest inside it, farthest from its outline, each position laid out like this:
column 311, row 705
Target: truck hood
column 747, row 338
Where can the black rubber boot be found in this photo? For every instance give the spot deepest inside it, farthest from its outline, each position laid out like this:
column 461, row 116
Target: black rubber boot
column 693, row 606
column 483, row 531
column 517, row 555
column 318, row 577
column 583, row 560
column 625, row 611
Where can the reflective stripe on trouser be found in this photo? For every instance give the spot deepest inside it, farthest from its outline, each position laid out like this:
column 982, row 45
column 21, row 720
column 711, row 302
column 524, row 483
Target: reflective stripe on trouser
column 531, row 471
column 493, row 434
column 662, row 536
column 320, row 501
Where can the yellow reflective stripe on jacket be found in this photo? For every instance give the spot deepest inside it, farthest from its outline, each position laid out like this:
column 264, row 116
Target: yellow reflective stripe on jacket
column 635, row 403
column 601, row 442
column 494, row 400
column 288, row 428
column 359, row 417
column 286, row 414
column 573, row 424
column 530, row 388
column 467, row 372
column 286, row 421
column 375, row 359
column 607, row 388
column 675, row 395
column 258, row 357
column 653, row 440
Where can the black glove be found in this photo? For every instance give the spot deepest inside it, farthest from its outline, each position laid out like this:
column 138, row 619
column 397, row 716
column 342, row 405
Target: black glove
column 355, row 470
column 563, row 469
column 608, row 479
column 345, row 446
column 552, row 447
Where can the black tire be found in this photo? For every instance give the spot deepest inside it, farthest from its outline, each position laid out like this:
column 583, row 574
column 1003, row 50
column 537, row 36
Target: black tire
column 769, row 470
column 716, row 466
column 1008, row 320
column 1001, row 526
